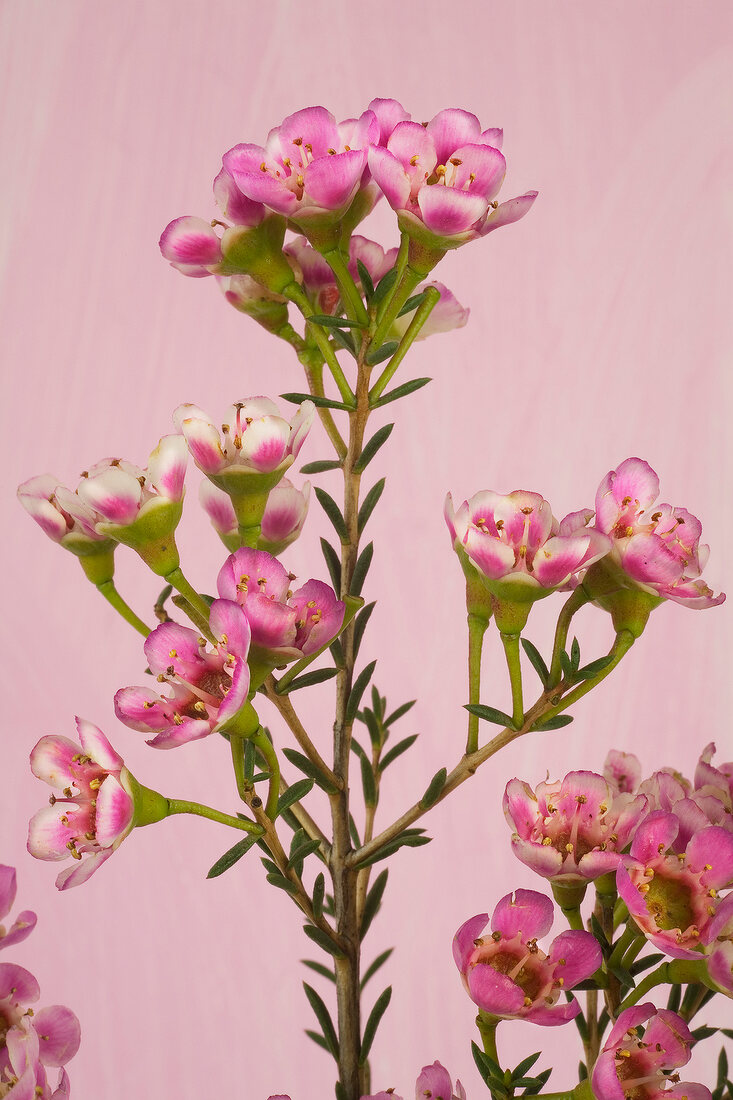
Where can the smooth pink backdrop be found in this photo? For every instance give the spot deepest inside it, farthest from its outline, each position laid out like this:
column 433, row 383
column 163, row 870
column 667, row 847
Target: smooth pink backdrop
column 600, row 327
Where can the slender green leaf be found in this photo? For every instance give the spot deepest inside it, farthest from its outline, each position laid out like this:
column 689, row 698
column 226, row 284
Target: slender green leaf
column 490, row 714
column 310, row 769
column 333, row 562
column 526, row 1064
column 361, row 569
column 318, row 1038
column 282, row 883
column 368, row 782
column 539, row 1083
column 412, row 303
column 409, row 838
column 373, row 901
column 337, row 652
column 354, row 832
column 435, row 786
column 270, row 867
column 401, row 391
column 372, row 447
column 319, row 890
column 575, row 656
column 232, row 856
column 365, row 279
column 373, row 967
column 675, row 996
column 325, row 320
column 322, row 939
column 340, row 1091
column 398, row 713
column 309, row 679
column 250, row 759
column 375, row 1017
column 373, row 725
column 397, row 750
column 345, row 340
column 555, row 723
column 324, row 1018
column 360, row 625
column 293, row 794
column 321, row 402
column 587, row 671
column 357, row 748
column 537, row 661
column 369, row 503
column 567, row 667
column 358, row 690
column 377, row 702
column 302, row 853
column 321, row 466
column 332, row 510
column 384, row 286
column 385, row 351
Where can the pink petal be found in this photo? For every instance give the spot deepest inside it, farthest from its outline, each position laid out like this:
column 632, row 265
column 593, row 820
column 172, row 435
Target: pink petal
column 20, row 930
column 524, row 911
column 494, row 992
column 390, row 176
column 389, row 113
column 228, row 621
column 167, row 466
column 285, row 512
column 204, row 443
column 553, row 1015
column 18, row 985
column 646, row 558
column 233, row 204
column 494, row 558
column 236, row 696
column 262, row 187
column 177, row 646
column 622, row 770
column 301, row 426
column 481, row 170
column 115, row 809
column 96, row 745
column 493, row 136
column 272, row 623
column 450, row 129
column 634, row 479
column 507, row 212
column 331, row 181
column 190, row 240
column 190, row 729
column 248, row 567
column 59, row 1033
column 82, row 870
column 131, row 708
column 655, row 835
column 543, row 859
column 114, row 493
column 48, row 834
column 463, row 941
column 434, row 1081
column 576, row 955
column 8, row 889
column 218, row 506
column 447, row 211
column 520, row 807
column 265, row 443
column 314, row 126
column 713, row 848
column 372, row 255
column 52, row 761
column 558, row 558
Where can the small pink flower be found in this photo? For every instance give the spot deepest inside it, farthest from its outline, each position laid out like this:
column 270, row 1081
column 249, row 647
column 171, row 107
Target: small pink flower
column 248, row 296
column 310, row 169
column 61, row 514
column 121, row 493
column 442, row 178
column 714, row 788
column 571, row 831
column 719, row 941
column 285, row 514
column 670, row 883
column 91, row 823
column 285, row 625
column 435, row 1082
column 637, row 1063
column 622, row 770
column 207, row 686
column 656, row 547
column 24, row 923
column 254, row 437
column 447, row 315
column 32, row 1039
column 508, row 976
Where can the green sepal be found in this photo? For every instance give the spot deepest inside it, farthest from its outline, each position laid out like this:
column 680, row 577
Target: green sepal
column 95, row 557
column 151, row 534
column 149, row 805
column 258, row 251
column 628, row 604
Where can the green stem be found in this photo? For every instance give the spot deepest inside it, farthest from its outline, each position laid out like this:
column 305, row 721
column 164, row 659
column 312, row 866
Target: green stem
column 237, row 744
column 250, row 535
column 477, row 627
column 675, row 972
column 487, row 1030
column 112, row 596
column 627, row 938
column 572, row 605
column 432, row 297
column 569, row 896
column 314, row 376
column 350, row 297
column 197, row 603
column 581, row 1091
column 298, row 296
column 404, row 288
column 511, row 649
column 624, row 641
column 180, row 806
column 263, row 743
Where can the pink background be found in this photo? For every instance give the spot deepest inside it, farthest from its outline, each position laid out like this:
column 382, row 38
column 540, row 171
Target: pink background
column 600, row 327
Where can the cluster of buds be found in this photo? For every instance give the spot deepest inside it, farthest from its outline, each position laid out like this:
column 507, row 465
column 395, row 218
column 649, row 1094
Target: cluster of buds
column 32, row 1041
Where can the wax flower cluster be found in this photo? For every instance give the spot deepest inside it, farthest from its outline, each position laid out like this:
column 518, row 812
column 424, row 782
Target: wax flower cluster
column 32, row 1041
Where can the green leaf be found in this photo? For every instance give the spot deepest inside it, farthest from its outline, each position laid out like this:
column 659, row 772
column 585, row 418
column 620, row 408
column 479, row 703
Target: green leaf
column 491, row 1072
column 354, row 832
column 365, row 279
column 412, row 303
column 555, row 723
column 600, row 935
column 368, row 782
column 318, row 676
column 298, row 760
column 722, row 1067
column 319, row 890
column 345, row 340
column 373, row 967
column 386, row 351
column 293, row 794
column 360, row 625
column 357, row 691
column 317, row 1038
column 375, row 1017
column 377, row 702
column 643, row 964
column 675, row 996
column 324, row 1019
column 401, row 391
column 373, row 725
column 567, row 667
column 397, row 750
column 302, row 853
column 325, row 320
column 320, row 402
column 490, row 714
column 282, row 883
column 435, row 787
column 537, row 661
column 232, row 856
column 332, row 510
column 370, row 503
column 250, row 759
column 321, row 466
column 371, row 448
column 373, row 902
column 575, row 656
column 333, row 562
column 398, row 713
column 270, row 867
column 409, row 838
column 587, row 671
column 526, row 1064
column 539, row 1083
column 337, row 652
column 384, row 286
column 322, row 940
column 361, row 569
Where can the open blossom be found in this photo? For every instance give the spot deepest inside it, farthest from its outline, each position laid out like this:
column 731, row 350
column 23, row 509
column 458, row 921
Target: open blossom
column 207, row 686
column 656, row 547
column 285, row 625
column 120, row 492
column 573, row 830
column 60, row 513
column 670, row 883
column 443, row 178
column 508, row 976
column 94, row 812
column 639, row 1059
column 310, row 168
column 282, row 522
column 24, row 923
column 622, row 770
column 720, row 946
column 32, row 1041
column 434, row 1083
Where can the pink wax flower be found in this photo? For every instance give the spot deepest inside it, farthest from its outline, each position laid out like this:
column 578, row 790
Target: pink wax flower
column 671, row 882
column 670, row 791
column 32, row 1040
column 249, row 296
column 637, row 1062
column 285, row 625
column 310, row 168
column 282, row 522
column 208, row 687
column 88, row 825
column 714, row 788
column 24, row 923
column 442, row 178
column 508, row 976
column 435, row 1082
column 655, row 548
column 571, row 831
column 61, row 514
column 120, row 492
column 622, row 770
column 719, row 941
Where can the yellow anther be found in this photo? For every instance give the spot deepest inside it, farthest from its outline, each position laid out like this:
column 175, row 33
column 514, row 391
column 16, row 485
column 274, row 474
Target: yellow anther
column 581, row 799
column 95, row 784
column 177, row 720
column 456, row 161
column 311, row 603
column 263, row 167
column 569, row 847
column 527, row 1002
column 496, row 936
column 172, row 653
column 546, row 840
column 414, row 160
column 199, row 707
